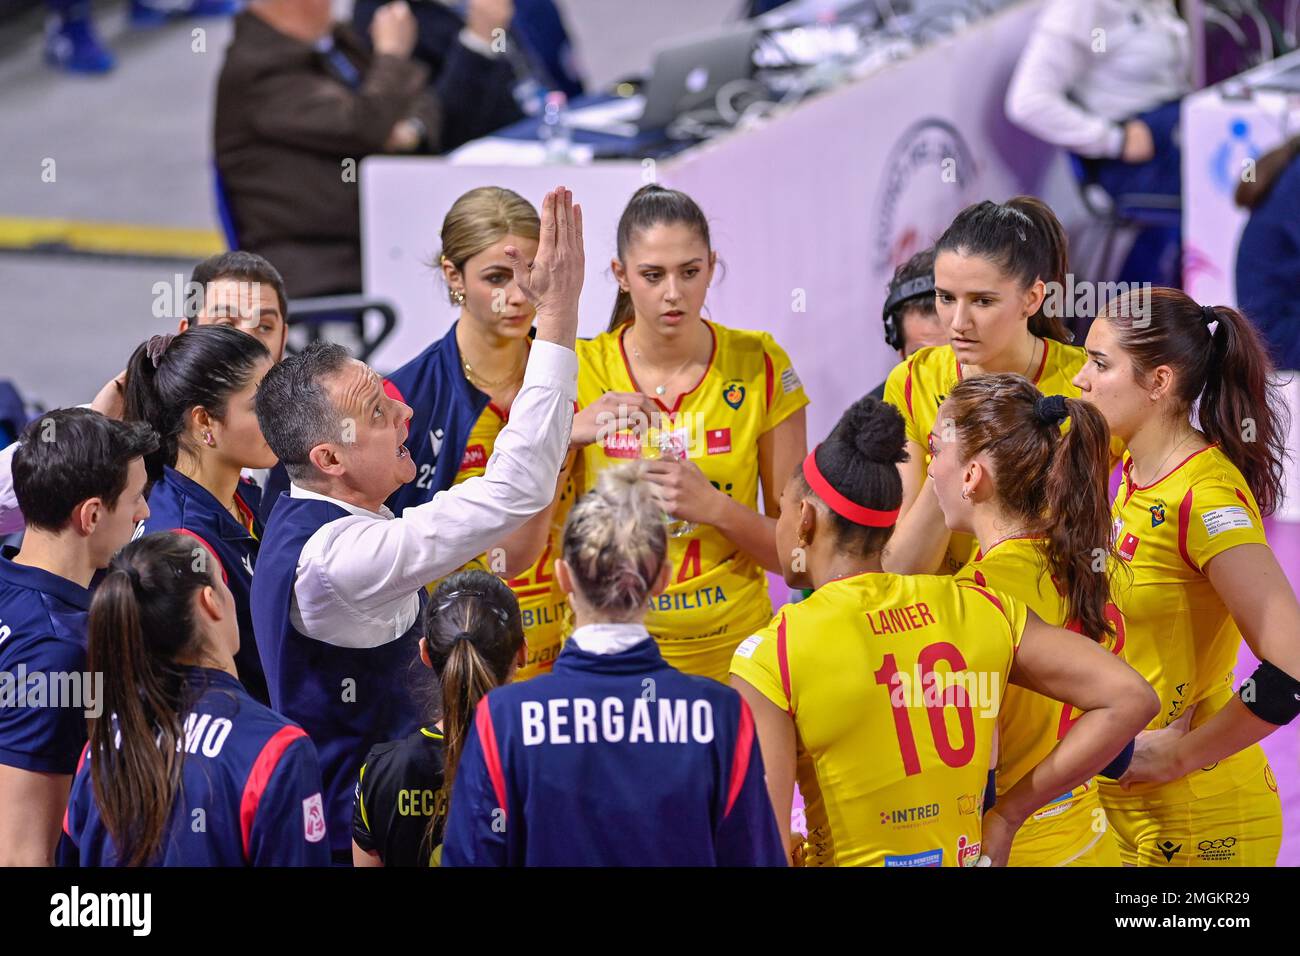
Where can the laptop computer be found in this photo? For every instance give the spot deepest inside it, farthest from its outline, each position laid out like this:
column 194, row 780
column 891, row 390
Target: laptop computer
column 686, row 75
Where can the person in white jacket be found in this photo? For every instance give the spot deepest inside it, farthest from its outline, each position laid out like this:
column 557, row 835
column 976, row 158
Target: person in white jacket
column 1104, row 79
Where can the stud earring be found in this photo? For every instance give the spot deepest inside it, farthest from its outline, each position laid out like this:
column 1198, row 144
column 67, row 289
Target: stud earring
column 207, row 440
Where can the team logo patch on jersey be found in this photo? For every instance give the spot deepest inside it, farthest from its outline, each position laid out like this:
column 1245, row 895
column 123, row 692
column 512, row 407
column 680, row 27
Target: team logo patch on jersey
column 718, row 441
column 733, row 393
column 1169, row 849
column 1128, row 547
column 748, row 646
column 1157, row 513
column 313, row 818
column 475, row 457
column 1231, row 518
column 924, row 858
column 970, row 803
column 790, row 381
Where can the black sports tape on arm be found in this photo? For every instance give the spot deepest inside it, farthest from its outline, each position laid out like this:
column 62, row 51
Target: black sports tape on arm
column 1271, row 694
column 1115, row 769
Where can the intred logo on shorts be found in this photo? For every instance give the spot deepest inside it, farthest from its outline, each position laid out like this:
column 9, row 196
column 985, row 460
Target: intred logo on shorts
column 313, row 818
column 475, row 457
column 623, row 445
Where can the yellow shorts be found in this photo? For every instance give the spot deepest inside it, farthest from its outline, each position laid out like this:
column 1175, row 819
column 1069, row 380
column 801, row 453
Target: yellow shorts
column 1073, row 833
column 1241, row 826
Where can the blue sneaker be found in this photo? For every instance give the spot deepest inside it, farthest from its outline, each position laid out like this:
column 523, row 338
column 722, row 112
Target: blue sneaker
column 152, row 13
column 71, row 44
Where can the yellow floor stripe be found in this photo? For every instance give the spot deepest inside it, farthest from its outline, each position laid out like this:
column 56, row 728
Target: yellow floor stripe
column 109, row 238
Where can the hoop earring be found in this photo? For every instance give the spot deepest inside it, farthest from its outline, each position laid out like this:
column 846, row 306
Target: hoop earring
column 965, row 494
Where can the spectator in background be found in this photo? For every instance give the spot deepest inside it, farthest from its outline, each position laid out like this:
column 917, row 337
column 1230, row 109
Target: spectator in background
column 72, row 44
column 911, row 319
column 1103, row 79
column 489, row 60
column 1268, row 256
column 298, row 98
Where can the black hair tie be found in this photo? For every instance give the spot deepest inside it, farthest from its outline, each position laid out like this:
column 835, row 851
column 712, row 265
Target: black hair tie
column 462, row 636
column 156, row 346
column 1208, row 317
column 1050, row 409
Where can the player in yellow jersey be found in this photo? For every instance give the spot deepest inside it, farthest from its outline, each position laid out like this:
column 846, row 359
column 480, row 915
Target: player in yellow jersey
column 727, row 415
column 998, row 272
column 880, row 692
column 492, row 336
column 1004, row 471
column 1187, row 523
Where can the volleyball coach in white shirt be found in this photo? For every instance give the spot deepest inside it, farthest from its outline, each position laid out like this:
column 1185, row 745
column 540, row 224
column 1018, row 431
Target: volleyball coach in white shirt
column 339, row 584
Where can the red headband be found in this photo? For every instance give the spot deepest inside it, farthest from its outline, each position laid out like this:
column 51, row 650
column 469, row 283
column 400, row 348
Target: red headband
column 858, row 514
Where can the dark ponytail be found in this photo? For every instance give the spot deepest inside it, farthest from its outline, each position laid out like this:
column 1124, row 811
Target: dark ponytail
column 653, row 205
column 1269, row 168
column 1054, row 484
column 473, row 630
column 1023, row 238
column 1228, row 370
column 141, row 620
column 859, row 460
column 169, row 375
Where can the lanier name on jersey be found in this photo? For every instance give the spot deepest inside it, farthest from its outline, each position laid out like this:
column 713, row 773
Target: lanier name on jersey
column 582, row 720
column 892, row 620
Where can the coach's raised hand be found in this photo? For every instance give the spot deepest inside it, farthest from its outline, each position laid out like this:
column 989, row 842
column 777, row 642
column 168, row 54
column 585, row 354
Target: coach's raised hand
column 552, row 282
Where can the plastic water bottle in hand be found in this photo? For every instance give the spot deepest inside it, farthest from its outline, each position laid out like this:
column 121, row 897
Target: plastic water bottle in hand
column 672, row 448
column 555, row 133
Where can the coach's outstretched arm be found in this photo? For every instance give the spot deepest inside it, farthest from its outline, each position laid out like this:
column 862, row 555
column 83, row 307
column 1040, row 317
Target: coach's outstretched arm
column 368, row 564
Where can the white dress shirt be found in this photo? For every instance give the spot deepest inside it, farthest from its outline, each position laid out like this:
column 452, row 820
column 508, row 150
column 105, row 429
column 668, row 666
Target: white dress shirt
column 1092, row 63
column 359, row 576
column 11, row 519
column 609, row 638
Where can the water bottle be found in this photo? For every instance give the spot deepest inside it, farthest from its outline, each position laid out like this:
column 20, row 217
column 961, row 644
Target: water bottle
column 555, row 128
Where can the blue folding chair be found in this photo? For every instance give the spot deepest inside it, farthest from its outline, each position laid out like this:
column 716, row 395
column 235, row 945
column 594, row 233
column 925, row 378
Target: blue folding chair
column 317, row 311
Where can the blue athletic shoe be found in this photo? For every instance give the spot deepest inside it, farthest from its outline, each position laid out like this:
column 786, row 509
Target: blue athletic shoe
column 152, row 13
column 71, row 44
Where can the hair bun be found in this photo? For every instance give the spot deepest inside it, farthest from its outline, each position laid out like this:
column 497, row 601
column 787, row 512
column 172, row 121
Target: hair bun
column 874, row 429
column 1051, row 409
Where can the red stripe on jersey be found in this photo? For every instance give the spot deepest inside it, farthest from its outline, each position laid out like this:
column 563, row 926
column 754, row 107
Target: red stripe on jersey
column 1184, row 513
column 740, row 762
column 783, row 659
column 907, row 389
column 771, row 377
column 491, row 755
column 260, row 776
column 996, row 603
column 1246, row 501
column 393, row 392
column 215, row 556
column 80, row 761
column 1043, row 364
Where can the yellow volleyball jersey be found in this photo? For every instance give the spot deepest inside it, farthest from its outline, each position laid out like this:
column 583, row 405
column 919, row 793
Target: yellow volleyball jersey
column 1029, row 724
column 918, row 385
column 894, row 683
column 718, row 595
column 542, row 604
column 1179, row 634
